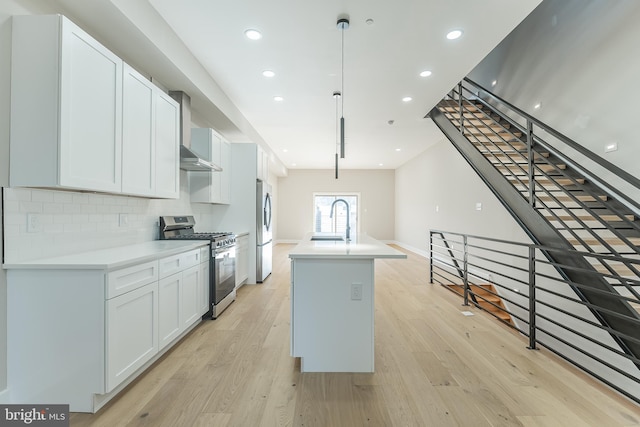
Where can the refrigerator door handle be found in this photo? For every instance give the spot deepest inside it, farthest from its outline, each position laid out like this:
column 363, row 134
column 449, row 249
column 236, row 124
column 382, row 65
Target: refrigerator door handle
column 267, row 211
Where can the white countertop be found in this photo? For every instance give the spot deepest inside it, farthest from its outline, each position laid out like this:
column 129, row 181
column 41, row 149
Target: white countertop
column 362, row 247
column 112, row 258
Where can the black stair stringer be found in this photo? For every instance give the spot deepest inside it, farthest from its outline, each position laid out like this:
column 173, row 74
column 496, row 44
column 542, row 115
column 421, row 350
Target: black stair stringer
column 543, row 233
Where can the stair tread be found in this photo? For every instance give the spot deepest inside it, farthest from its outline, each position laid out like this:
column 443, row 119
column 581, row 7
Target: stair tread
column 592, row 241
column 584, row 217
column 567, row 198
column 558, row 181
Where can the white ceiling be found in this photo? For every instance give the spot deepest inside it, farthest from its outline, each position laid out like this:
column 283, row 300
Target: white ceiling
column 302, row 45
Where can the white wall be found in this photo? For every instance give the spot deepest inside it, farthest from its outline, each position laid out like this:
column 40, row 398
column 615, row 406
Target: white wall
column 296, row 208
column 438, row 190
column 578, row 59
column 5, row 69
column 73, row 222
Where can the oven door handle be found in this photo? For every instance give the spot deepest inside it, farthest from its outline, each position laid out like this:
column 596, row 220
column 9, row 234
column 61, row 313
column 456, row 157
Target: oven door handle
column 223, row 253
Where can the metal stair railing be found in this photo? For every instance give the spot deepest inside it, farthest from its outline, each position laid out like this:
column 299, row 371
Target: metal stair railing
column 557, row 202
column 541, row 302
column 533, row 171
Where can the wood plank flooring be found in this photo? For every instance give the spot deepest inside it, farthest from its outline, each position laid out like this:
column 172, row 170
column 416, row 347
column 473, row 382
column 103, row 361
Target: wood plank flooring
column 434, row 367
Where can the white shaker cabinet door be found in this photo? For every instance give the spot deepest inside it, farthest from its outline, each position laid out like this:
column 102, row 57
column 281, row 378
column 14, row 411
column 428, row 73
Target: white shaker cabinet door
column 190, row 297
column 132, row 332
column 90, row 113
column 167, row 129
column 225, row 175
column 138, row 134
column 66, row 107
column 242, row 259
column 204, row 286
column 169, row 320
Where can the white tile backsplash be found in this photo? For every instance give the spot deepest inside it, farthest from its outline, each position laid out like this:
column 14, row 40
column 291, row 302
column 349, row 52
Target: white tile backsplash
column 74, row 222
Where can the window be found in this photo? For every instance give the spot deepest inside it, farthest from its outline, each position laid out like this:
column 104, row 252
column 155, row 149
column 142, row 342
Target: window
column 338, row 224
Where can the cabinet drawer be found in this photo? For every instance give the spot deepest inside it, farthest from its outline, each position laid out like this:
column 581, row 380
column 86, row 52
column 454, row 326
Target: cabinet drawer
column 176, row 263
column 130, row 278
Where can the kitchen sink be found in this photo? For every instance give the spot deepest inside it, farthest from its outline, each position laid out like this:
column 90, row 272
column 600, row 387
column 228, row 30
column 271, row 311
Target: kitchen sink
column 327, row 238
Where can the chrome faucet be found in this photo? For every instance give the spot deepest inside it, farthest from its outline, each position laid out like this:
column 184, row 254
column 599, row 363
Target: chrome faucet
column 348, row 235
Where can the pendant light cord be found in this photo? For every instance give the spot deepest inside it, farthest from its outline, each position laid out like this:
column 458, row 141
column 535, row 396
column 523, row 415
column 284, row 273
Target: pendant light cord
column 342, row 73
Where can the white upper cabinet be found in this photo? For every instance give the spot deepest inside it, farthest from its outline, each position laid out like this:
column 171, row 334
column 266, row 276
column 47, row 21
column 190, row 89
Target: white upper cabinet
column 81, row 119
column 138, row 135
column 167, row 132
column 66, row 101
column 211, row 187
column 150, row 139
column 262, row 165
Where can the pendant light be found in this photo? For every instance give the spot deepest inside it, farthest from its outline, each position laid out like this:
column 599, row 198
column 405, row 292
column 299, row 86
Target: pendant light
column 342, row 24
column 337, row 95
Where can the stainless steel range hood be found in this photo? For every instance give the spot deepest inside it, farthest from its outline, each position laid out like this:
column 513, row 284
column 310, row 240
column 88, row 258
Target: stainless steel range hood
column 189, row 160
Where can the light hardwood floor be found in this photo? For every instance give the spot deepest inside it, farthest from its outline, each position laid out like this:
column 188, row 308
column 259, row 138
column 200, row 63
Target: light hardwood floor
column 434, row 367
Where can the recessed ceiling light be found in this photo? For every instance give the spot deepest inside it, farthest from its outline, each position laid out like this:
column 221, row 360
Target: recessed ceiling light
column 493, row 83
column 407, row 99
column 380, row 164
column 278, row 98
column 454, row 34
column 253, row 34
column 268, row 73
column 425, row 73
column 294, row 164
column 537, row 106
column 369, row 21
column 284, row 150
column 398, row 149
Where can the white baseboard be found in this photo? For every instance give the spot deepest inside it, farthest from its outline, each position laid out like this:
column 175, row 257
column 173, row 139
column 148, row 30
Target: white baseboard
column 287, row 241
column 422, row 252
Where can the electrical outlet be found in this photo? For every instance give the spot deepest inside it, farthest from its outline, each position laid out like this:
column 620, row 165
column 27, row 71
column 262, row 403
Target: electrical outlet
column 34, row 223
column 123, row 220
column 356, row 291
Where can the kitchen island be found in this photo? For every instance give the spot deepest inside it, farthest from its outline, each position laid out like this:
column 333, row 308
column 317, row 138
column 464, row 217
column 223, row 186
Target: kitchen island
column 332, row 302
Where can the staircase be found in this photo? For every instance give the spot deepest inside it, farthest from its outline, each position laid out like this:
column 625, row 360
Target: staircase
column 557, row 202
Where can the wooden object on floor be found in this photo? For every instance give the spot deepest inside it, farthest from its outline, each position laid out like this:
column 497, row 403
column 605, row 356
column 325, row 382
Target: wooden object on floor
column 487, row 298
column 434, row 367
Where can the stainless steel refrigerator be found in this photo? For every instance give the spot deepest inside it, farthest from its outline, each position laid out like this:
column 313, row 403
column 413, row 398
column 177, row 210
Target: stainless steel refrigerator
column 264, row 232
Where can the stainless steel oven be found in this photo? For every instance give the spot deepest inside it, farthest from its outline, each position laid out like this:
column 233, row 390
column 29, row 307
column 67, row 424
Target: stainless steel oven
column 222, row 267
column 224, row 281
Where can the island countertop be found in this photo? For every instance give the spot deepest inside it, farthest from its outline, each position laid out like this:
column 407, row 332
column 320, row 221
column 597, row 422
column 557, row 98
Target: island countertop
column 362, row 247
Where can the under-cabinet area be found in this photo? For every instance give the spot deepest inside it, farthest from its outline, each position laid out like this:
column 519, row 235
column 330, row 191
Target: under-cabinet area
column 81, row 327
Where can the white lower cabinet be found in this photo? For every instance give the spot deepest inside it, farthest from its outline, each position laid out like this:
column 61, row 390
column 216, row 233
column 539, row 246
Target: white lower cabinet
column 132, row 332
column 180, row 293
column 80, row 335
column 242, row 259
